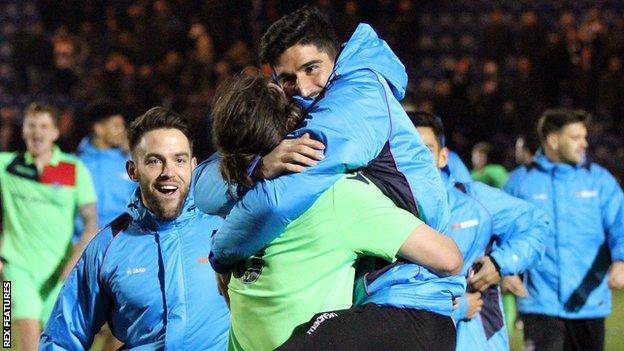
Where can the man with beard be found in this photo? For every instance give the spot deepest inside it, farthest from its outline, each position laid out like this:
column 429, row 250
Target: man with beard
column 568, row 294
column 147, row 272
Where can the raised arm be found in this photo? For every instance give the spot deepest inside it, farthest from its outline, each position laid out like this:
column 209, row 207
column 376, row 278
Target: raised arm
column 291, row 155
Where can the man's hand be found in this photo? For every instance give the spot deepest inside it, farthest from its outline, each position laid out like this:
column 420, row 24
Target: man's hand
column 616, row 275
column 486, row 276
column 222, row 284
column 513, row 284
column 475, row 304
column 292, row 155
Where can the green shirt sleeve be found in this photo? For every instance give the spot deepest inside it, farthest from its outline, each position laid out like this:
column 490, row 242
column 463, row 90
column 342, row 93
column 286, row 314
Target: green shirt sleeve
column 85, row 191
column 371, row 223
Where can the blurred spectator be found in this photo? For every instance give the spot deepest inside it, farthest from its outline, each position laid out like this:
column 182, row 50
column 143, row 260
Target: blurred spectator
column 497, row 36
column 488, row 70
column 483, row 169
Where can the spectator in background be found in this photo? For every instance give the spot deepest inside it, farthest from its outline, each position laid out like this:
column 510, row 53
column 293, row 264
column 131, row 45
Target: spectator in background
column 568, row 294
column 105, row 152
column 526, row 146
column 483, row 170
column 42, row 189
column 496, row 38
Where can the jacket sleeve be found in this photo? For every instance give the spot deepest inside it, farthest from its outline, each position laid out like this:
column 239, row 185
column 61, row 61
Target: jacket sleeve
column 81, row 309
column 519, row 228
column 266, row 209
column 612, row 206
column 461, row 312
column 210, row 191
column 512, row 186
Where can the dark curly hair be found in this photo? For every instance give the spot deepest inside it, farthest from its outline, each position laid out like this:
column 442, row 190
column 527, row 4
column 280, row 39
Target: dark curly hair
column 304, row 26
column 250, row 117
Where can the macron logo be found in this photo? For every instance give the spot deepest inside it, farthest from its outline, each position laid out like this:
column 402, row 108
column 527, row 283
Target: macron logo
column 466, row 224
column 136, row 270
column 320, row 319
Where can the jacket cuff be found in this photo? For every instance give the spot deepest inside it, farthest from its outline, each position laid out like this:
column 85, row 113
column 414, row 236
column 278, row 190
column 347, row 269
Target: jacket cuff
column 617, row 254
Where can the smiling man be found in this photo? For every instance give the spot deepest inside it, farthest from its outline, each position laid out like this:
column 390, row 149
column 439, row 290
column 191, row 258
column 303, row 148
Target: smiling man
column 569, row 294
column 42, row 189
column 147, row 273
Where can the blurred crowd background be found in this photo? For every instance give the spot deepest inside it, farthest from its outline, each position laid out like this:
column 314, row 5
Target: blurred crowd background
column 488, row 68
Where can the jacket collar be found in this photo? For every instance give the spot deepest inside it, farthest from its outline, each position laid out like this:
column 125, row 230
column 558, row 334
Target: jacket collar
column 54, row 160
column 541, row 161
column 147, row 220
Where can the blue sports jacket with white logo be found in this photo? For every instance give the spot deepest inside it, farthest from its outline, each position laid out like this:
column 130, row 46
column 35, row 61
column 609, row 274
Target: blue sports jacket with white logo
column 585, row 205
column 485, row 220
column 150, row 280
column 363, row 127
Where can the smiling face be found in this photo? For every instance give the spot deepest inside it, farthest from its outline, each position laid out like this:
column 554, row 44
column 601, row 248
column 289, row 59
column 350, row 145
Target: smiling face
column 303, row 70
column 162, row 164
column 39, row 132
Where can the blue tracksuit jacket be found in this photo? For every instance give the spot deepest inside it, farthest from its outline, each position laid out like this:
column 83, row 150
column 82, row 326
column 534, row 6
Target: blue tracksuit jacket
column 150, row 280
column 458, row 168
column 485, row 220
column 112, row 185
column 363, row 126
column 585, row 206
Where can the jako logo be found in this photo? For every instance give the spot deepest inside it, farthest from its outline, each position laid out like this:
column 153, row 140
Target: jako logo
column 136, row 270
column 203, row 260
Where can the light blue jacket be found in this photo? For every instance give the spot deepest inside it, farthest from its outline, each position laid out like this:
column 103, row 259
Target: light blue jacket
column 485, row 220
column 113, row 187
column 585, row 206
column 363, row 126
column 458, row 168
column 150, row 280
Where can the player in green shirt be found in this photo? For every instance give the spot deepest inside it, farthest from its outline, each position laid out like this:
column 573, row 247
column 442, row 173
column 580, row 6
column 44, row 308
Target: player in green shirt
column 41, row 190
column 309, row 268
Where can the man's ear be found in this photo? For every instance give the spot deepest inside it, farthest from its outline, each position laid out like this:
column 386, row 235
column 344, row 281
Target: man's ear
column 132, row 171
column 552, row 140
column 193, row 163
column 443, row 156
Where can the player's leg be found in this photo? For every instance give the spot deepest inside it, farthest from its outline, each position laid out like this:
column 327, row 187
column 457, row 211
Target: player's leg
column 26, row 306
column 543, row 333
column 585, row 334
